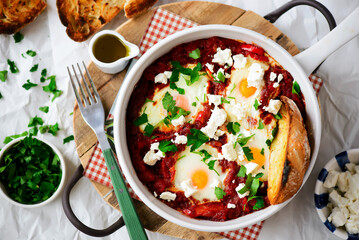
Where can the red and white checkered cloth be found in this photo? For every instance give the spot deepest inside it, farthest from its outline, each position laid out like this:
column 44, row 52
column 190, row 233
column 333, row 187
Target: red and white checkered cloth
column 163, row 24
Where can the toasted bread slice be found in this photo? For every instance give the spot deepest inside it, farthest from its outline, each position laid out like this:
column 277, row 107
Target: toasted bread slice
column 136, row 7
column 290, row 153
column 85, row 17
column 15, row 14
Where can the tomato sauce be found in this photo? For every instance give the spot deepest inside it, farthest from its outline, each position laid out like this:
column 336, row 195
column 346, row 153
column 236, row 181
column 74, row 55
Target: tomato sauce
column 159, row 177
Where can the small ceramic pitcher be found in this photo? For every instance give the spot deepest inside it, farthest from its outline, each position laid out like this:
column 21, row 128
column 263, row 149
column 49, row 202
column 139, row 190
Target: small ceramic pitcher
column 121, row 63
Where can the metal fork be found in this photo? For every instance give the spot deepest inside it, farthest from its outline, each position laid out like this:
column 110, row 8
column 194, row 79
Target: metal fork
column 93, row 113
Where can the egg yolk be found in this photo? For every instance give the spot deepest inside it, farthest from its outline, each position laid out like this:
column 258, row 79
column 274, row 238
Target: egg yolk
column 245, row 90
column 182, row 102
column 258, row 157
column 199, row 179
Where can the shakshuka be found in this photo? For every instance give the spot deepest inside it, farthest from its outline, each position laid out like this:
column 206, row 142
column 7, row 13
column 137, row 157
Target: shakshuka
column 200, row 123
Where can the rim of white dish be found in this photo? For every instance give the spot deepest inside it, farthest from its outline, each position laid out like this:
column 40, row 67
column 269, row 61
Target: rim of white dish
column 162, row 48
column 58, row 190
column 134, row 50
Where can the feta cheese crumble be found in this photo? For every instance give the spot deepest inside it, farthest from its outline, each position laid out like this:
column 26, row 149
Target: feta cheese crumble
column 239, row 187
column 231, row 205
column 214, row 99
column 178, row 121
column 255, row 76
column 273, row 106
column 168, row 196
column 217, row 119
column 272, row 76
column 240, row 61
column 210, row 67
column 163, row 77
column 188, row 188
column 180, row 139
column 153, row 155
column 223, row 57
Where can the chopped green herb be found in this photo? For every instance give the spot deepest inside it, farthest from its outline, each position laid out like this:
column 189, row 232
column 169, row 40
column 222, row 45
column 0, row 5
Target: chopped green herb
column 12, row 66
column 242, row 171
column 35, row 121
column 194, row 104
column 234, row 86
column 33, row 131
column 220, row 76
column 31, row 171
column 3, row 75
column 262, row 151
column 10, row 138
column 153, row 137
column 181, row 157
column 148, row 130
column 243, row 141
column 219, row 192
column 256, row 104
column 210, row 165
column 248, row 153
column 148, row 100
column 260, row 124
column 204, row 97
column 31, row 53
column 51, row 88
column 223, row 100
column 259, row 203
column 197, row 99
column 43, row 75
column 53, row 129
column 71, row 113
column 68, row 139
column 44, row 109
column 275, row 131
column 18, row 37
column 173, row 111
column 196, row 138
column 141, row 120
column 0, row 98
column 22, row 55
column 34, row 68
column 193, row 73
column 233, row 127
column 28, row 85
column 195, row 54
column 296, row 88
column 278, row 116
column 43, row 129
column 231, row 97
column 268, row 142
column 166, row 146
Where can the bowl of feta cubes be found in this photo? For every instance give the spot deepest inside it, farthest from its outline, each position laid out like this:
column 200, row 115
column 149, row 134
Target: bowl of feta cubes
column 337, row 194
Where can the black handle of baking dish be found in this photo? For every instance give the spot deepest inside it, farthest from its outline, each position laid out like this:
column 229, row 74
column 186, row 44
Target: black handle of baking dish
column 271, row 17
column 72, row 217
column 274, row 15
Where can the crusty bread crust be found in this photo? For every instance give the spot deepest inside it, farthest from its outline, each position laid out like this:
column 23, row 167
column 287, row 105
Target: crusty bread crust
column 85, row 17
column 136, row 7
column 15, row 14
column 290, row 153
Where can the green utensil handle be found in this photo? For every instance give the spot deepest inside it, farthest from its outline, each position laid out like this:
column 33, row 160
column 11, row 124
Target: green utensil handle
column 130, row 216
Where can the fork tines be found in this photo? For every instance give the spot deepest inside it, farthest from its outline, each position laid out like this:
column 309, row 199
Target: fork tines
column 91, row 97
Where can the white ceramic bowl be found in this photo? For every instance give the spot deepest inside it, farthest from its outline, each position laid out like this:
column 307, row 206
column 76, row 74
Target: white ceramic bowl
column 54, row 195
column 321, row 193
column 161, row 48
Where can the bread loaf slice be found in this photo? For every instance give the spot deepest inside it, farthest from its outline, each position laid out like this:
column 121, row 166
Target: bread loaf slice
column 290, row 154
column 15, row 14
column 136, row 7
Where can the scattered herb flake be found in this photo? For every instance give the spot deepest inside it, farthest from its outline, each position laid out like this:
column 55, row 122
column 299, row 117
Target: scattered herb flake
column 35, row 121
column 196, row 138
column 195, row 54
column 33, row 131
column 219, row 192
column 248, row 153
column 18, row 37
column 148, row 130
column 3, row 76
column 243, row 141
column 242, row 171
column 233, row 127
column 28, row 85
column 194, row 104
column 262, row 151
column 234, row 86
column 295, row 88
column 278, row 116
column 268, row 142
column 53, row 129
column 259, row 203
column 34, row 68
column 166, row 146
column 68, row 139
column 10, row 138
column 31, row 53
column 44, row 109
column 12, row 66
column 149, row 100
column 256, row 104
column 260, row 124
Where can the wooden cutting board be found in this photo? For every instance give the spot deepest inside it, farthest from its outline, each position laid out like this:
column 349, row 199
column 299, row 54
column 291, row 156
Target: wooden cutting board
column 108, row 86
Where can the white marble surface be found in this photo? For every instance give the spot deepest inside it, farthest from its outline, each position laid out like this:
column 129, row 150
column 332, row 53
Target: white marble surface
column 298, row 220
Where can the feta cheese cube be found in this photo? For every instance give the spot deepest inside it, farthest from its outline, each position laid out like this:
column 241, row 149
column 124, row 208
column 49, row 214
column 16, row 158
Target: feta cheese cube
column 214, row 99
column 231, row 205
column 272, row 76
column 239, row 187
column 178, row 121
column 180, row 139
column 331, row 179
column 337, row 200
column 168, row 196
column 251, row 166
column 240, row 61
column 152, row 157
column 343, row 181
column 280, row 77
column 209, row 67
column 337, row 217
column 354, row 207
column 255, row 76
column 218, row 117
column 155, row 194
column 353, row 184
column 188, row 188
column 161, row 78
column 167, row 74
column 356, row 168
column 223, row 57
column 276, row 84
column 229, row 152
column 238, row 110
column 352, row 224
column 273, row 106
column 350, row 167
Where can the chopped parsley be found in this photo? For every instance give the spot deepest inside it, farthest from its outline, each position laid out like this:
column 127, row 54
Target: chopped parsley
column 195, row 54
column 181, row 157
column 256, row 104
column 193, row 73
column 252, row 185
column 44, row 109
column 296, row 88
column 68, row 139
column 0, row 95
column 219, row 192
column 242, row 171
column 52, row 88
column 18, row 37
column 149, row 130
column 33, row 131
column 149, row 100
column 262, row 151
column 53, row 129
column 43, row 75
column 34, row 68
column 234, row 86
column 196, row 138
column 268, row 142
column 207, row 156
column 220, row 77
column 223, row 100
column 31, row 171
column 12, row 66
column 248, row 153
column 12, row 137
column 166, row 146
column 233, row 127
column 243, row 140
column 31, row 53
column 194, row 104
column 173, row 111
column 35, row 121
column 260, row 124
column 141, row 120
column 173, row 79
column 3, row 76
column 278, row 116
column 29, row 84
